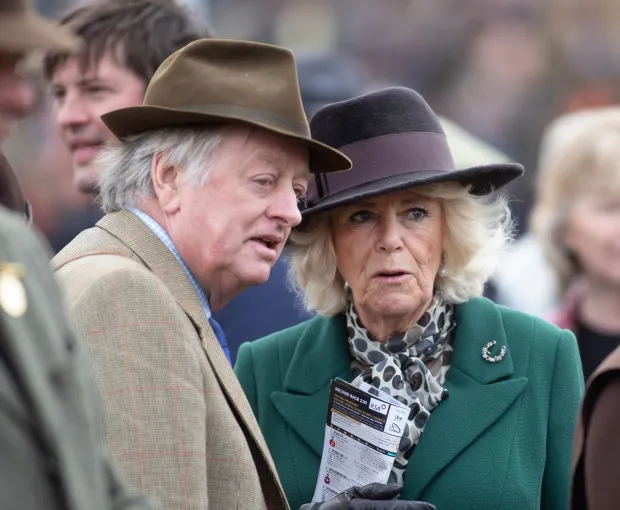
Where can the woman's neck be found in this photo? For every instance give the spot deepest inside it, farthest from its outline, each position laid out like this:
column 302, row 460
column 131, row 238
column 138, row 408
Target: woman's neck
column 383, row 327
column 600, row 307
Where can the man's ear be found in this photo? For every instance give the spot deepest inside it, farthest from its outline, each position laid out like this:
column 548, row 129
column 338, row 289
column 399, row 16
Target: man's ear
column 167, row 183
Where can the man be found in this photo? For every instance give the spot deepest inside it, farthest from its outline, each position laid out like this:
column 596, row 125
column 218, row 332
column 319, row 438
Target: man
column 201, row 194
column 124, row 42
column 51, row 454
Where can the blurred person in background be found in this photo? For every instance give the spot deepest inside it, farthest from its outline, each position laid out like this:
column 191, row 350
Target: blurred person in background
column 576, row 219
column 526, row 261
column 124, row 42
column 274, row 305
column 597, row 441
column 51, row 450
column 393, row 255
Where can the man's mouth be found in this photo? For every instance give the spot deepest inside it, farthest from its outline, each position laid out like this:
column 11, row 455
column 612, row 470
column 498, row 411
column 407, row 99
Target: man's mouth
column 271, row 242
column 84, row 152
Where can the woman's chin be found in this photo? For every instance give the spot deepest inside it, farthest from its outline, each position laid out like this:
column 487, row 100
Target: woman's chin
column 394, row 303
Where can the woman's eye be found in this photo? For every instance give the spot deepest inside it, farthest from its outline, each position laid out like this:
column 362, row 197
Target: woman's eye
column 360, row 216
column 417, row 213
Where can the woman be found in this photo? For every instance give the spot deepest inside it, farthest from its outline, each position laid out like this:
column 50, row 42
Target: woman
column 576, row 219
column 393, row 255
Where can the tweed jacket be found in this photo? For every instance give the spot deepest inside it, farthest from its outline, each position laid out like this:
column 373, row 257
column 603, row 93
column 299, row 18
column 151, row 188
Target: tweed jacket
column 176, row 419
column 51, row 448
column 502, row 439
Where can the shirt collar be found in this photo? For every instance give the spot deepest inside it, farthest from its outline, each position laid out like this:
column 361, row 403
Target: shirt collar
column 165, row 238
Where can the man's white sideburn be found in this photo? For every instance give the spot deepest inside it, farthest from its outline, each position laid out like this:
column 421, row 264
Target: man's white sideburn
column 126, row 166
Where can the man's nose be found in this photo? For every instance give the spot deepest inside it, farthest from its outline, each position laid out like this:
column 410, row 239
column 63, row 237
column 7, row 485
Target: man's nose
column 285, row 208
column 71, row 112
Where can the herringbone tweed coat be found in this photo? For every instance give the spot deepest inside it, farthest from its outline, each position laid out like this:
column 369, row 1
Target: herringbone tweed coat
column 176, row 419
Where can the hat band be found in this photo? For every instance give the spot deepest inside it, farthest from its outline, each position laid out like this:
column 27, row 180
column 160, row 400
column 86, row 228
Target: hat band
column 384, row 156
column 245, row 113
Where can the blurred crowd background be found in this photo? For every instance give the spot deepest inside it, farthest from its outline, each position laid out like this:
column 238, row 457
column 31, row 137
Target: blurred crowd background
column 502, row 69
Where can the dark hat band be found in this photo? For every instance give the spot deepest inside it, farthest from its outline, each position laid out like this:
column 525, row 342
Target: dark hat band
column 384, row 156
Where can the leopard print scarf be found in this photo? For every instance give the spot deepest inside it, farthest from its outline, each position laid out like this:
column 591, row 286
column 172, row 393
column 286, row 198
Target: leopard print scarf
column 410, row 367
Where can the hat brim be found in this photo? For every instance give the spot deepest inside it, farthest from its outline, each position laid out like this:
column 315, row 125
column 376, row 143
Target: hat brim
column 483, row 179
column 138, row 119
column 27, row 31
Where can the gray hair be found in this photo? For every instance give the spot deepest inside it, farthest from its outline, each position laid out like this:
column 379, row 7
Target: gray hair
column 126, row 166
column 477, row 230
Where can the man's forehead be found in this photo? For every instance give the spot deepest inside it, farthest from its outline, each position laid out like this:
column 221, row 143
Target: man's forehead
column 89, row 66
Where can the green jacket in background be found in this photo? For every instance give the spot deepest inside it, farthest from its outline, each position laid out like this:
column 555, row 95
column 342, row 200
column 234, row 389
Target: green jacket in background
column 501, row 440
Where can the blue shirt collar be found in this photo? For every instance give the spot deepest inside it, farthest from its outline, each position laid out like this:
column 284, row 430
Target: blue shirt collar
column 165, row 238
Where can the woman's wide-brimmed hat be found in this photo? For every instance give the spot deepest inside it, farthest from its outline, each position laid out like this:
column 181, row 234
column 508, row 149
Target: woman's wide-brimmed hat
column 226, row 81
column 395, row 142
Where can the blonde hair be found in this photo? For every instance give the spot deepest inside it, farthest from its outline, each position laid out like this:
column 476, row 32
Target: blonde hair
column 580, row 154
column 477, row 230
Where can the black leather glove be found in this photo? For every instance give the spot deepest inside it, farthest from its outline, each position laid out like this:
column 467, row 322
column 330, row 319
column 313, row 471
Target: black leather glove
column 375, row 496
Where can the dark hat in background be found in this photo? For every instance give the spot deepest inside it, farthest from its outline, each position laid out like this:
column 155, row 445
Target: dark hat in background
column 226, row 81
column 395, row 141
column 328, row 78
column 23, row 30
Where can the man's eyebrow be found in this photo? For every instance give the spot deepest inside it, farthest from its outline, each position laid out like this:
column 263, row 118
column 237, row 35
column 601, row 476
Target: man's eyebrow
column 85, row 82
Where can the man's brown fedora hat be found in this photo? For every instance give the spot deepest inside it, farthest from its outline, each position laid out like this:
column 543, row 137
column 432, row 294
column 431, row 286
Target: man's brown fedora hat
column 23, row 30
column 213, row 81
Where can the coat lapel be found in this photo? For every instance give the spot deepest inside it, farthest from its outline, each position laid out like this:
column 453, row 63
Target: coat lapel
column 132, row 232
column 321, row 355
column 479, row 394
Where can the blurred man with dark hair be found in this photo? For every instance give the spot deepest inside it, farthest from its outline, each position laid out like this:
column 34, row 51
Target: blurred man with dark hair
column 125, row 41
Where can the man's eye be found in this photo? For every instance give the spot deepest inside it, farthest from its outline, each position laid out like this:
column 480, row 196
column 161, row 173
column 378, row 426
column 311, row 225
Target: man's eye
column 360, row 216
column 300, row 193
column 96, row 90
column 58, row 94
column 264, row 182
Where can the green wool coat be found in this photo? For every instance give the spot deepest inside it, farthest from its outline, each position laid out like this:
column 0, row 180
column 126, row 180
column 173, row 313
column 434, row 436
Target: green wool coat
column 501, row 440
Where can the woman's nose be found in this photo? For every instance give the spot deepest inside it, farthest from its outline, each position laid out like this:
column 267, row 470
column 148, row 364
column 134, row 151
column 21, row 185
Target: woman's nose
column 389, row 236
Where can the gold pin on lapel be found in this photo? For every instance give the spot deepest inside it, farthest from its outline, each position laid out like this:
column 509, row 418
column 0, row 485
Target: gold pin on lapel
column 12, row 293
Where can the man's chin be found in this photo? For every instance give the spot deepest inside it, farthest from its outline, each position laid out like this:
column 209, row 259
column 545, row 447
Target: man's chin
column 86, row 180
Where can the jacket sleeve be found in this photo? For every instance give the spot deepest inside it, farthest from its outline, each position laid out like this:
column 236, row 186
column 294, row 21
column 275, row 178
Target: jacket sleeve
column 602, row 452
column 244, row 370
column 565, row 399
column 145, row 352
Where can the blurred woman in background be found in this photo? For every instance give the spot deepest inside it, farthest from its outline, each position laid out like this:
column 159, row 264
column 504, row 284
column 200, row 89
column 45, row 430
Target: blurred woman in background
column 577, row 220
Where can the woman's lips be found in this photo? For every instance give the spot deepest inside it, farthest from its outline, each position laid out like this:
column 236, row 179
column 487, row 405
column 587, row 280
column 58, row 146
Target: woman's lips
column 393, row 278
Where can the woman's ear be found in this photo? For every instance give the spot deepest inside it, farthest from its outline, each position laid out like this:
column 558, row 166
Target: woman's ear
column 167, row 183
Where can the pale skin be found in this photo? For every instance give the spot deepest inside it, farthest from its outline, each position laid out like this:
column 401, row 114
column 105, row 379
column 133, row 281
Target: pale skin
column 592, row 233
column 231, row 231
column 16, row 94
column 389, row 250
column 81, row 98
